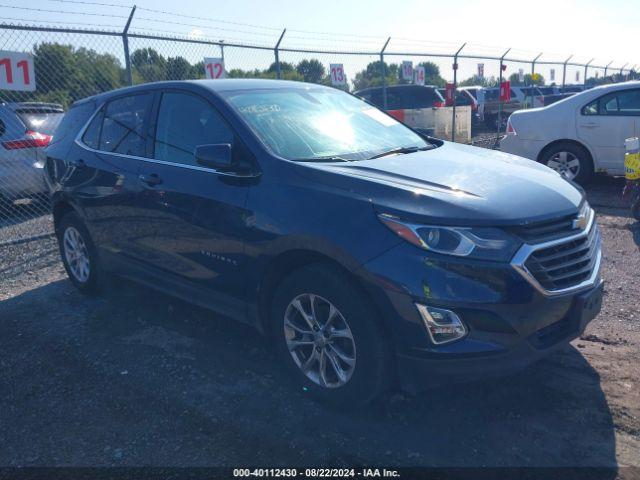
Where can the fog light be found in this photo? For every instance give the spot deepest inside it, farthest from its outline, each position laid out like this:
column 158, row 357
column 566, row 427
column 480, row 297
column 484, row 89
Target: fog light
column 443, row 325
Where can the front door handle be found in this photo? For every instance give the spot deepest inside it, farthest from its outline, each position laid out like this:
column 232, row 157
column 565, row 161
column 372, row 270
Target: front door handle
column 151, row 180
column 589, row 125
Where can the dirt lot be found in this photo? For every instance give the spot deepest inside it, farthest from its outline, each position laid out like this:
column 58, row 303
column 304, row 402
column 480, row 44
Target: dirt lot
column 134, row 377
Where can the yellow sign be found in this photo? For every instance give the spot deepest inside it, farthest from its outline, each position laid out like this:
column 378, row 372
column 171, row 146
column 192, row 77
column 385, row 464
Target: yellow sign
column 632, row 166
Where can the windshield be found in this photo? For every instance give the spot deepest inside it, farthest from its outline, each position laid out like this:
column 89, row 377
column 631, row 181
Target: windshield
column 320, row 124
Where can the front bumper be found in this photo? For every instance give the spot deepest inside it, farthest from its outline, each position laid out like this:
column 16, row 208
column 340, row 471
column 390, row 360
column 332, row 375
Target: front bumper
column 417, row 373
column 510, row 323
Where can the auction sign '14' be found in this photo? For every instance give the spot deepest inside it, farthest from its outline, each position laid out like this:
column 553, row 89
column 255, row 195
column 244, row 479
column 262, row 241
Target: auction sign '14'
column 419, row 75
column 336, row 72
column 16, row 71
column 214, row 68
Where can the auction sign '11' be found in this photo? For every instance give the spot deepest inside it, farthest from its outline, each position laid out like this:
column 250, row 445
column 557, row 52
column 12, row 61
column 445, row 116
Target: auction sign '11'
column 214, row 68
column 16, row 71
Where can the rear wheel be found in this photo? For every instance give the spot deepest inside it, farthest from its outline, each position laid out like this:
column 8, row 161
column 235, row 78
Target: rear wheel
column 328, row 337
column 78, row 254
column 570, row 160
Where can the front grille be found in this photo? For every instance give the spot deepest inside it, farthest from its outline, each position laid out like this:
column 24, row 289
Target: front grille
column 547, row 230
column 565, row 264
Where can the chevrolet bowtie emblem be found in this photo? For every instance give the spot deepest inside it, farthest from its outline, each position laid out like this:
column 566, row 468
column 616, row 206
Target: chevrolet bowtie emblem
column 580, row 223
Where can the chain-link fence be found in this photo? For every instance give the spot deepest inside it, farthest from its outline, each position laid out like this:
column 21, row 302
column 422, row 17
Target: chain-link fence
column 70, row 64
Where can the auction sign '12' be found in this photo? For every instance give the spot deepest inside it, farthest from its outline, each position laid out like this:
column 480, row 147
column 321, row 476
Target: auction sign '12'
column 16, row 71
column 214, row 68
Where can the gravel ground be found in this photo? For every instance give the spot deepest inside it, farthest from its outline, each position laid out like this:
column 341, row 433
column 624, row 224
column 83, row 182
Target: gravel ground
column 134, row 377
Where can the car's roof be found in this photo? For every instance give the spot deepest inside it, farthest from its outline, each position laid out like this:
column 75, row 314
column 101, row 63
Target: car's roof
column 221, row 85
column 616, row 86
column 395, row 87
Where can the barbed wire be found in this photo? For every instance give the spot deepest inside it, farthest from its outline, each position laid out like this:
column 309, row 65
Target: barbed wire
column 300, row 39
column 31, row 9
column 80, row 2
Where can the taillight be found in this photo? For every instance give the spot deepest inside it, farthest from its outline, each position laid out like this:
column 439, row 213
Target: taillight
column 31, row 139
column 510, row 129
column 438, row 104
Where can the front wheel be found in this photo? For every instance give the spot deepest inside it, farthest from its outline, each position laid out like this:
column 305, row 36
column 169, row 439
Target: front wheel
column 328, row 337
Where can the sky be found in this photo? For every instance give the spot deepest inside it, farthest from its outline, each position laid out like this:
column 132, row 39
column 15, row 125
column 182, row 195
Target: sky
column 604, row 30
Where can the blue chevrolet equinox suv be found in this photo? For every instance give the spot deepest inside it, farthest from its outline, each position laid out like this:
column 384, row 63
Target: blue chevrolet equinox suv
column 372, row 256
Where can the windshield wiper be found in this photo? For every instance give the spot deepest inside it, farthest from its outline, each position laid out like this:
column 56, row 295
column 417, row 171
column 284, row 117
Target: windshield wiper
column 323, row 159
column 399, row 151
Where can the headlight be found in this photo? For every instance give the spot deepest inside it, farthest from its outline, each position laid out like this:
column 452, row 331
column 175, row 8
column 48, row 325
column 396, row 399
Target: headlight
column 476, row 242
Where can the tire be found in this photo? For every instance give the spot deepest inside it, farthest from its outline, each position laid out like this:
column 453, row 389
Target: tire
column 87, row 280
column 561, row 156
column 366, row 373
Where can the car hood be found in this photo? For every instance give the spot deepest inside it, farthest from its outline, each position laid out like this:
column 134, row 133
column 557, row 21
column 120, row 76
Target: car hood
column 454, row 184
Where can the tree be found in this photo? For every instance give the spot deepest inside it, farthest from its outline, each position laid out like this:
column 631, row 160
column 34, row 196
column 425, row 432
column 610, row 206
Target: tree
column 178, row 68
column 149, row 65
column 312, row 70
column 65, row 74
column 285, row 67
column 371, row 76
column 432, row 74
column 475, row 80
column 535, row 79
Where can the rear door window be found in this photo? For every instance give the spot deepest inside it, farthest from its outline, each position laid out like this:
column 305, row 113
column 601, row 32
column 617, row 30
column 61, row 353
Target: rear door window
column 123, row 125
column 419, row 97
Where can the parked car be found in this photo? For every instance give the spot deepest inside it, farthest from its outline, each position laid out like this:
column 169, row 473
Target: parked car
column 581, row 134
column 489, row 104
column 528, row 97
column 571, row 89
column 464, row 99
column 25, row 129
column 403, row 97
column 366, row 252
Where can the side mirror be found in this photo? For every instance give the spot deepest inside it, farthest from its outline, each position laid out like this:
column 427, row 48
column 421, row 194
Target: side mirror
column 216, row 156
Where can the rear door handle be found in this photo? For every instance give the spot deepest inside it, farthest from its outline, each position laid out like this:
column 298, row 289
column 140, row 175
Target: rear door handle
column 151, row 180
column 589, row 125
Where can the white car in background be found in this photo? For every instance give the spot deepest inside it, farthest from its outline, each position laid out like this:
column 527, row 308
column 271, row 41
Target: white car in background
column 578, row 135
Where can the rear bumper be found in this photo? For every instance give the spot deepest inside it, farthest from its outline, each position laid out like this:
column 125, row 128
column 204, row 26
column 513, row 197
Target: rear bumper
column 419, row 373
column 20, row 175
column 524, row 148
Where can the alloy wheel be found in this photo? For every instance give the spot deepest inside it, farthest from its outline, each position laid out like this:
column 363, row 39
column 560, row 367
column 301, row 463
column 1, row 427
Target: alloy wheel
column 319, row 340
column 76, row 254
column 566, row 164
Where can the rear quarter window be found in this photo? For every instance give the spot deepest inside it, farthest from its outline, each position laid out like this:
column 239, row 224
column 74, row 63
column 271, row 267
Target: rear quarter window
column 73, row 121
